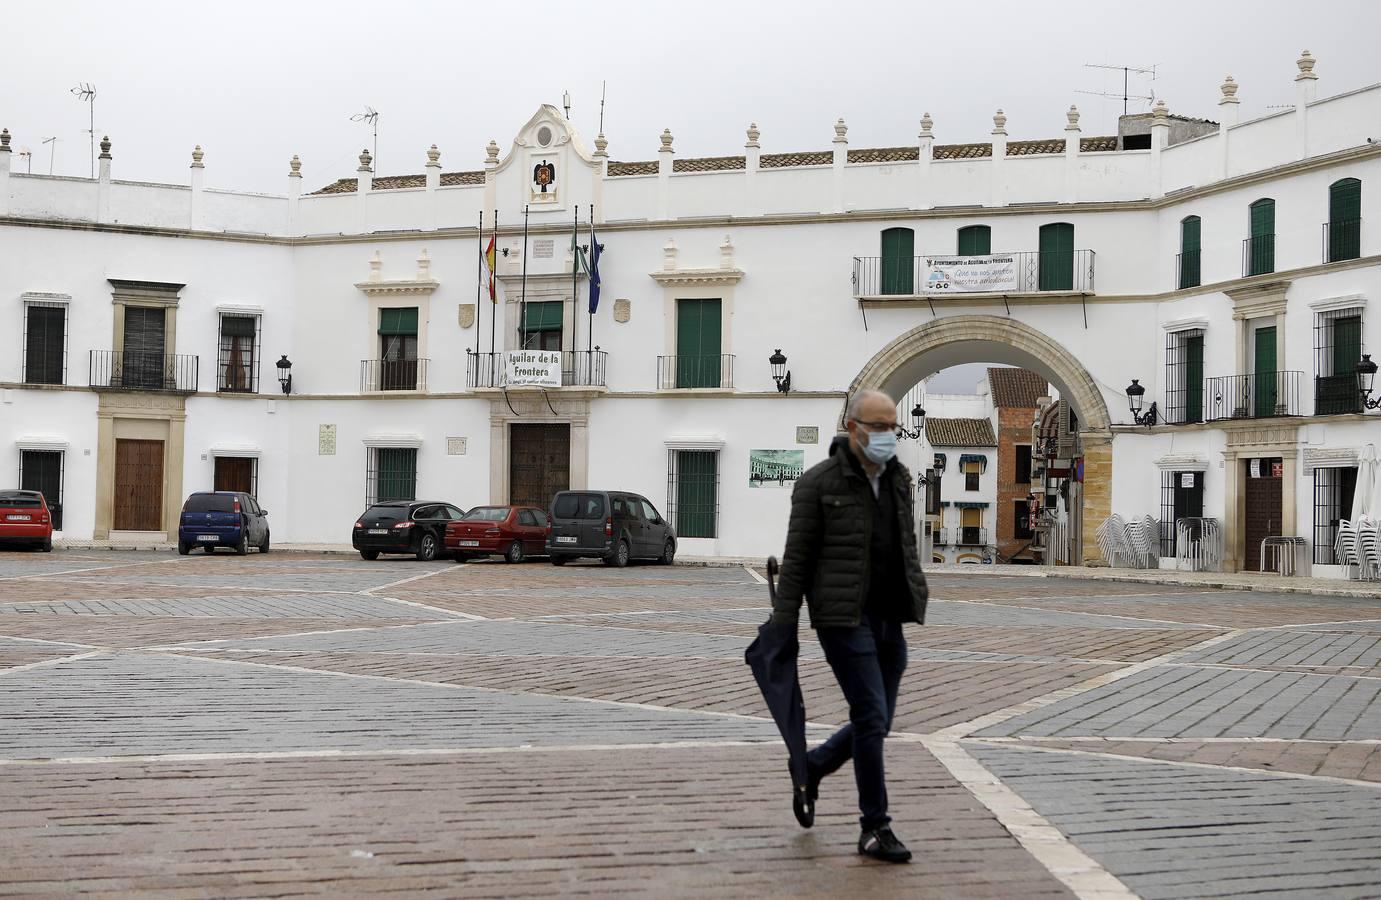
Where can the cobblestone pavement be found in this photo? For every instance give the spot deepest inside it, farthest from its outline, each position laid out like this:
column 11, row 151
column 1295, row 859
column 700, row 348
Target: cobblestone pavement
column 299, row 725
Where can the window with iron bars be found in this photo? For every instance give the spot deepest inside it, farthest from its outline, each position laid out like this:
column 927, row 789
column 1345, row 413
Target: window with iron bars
column 1181, row 497
column 1184, row 376
column 693, row 492
column 45, row 342
column 391, row 474
column 42, row 471
column 1333, row 490
column 1337, row 350
column 237, row 369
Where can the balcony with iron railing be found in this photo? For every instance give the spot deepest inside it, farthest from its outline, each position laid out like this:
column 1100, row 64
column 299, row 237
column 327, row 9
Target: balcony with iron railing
column 1258, row 396
column 971, row 536
column 579, row 368
column 1336, row 395
column 136, row 370
column 1187, row 273
column 690, row 372
column 1342, row 239
column 1258, row 255
column 393, row 375
column 940, row 537
column 1022, row 272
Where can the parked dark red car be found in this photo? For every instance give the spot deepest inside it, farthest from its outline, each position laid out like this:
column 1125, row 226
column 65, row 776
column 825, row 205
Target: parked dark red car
column 24, row 519
column 516, row 532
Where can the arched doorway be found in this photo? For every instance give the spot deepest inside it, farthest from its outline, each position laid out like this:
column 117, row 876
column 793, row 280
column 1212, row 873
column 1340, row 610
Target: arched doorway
column 954, row 340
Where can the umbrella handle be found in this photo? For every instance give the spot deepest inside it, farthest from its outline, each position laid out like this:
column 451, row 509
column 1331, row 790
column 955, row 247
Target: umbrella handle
column 772, row 569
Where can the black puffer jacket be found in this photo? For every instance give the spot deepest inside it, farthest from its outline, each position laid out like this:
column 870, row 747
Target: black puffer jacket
column 828, row 540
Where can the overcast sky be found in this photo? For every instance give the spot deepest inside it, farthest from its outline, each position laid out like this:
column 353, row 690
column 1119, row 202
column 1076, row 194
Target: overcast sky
column 255, row 82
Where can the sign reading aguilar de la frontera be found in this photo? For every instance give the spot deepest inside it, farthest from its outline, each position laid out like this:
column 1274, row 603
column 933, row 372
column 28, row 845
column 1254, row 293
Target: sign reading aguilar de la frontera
column 969, row 274
column 536, row 368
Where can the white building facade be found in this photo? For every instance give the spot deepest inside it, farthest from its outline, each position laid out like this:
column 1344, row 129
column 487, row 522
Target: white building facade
column 1230, row 272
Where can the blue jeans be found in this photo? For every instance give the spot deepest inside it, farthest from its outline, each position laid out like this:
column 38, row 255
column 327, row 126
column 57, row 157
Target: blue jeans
column 868, row 662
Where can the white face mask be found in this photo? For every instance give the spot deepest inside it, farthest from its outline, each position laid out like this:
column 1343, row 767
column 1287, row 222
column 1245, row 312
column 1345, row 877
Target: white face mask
column 881, row 446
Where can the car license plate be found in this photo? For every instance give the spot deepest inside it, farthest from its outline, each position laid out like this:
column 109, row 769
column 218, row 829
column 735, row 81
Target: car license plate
column 565, row 539
column 19, row 518
column 208, row 537
column 467, row 543
column 378, row 531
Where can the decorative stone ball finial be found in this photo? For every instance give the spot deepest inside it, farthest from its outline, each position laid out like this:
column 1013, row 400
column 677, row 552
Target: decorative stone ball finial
column 753, row 135
column 365, row 160
column 433, row 156
column 197, row 154
column 666, row 141
column 105, row 147
column 999, row 122
column 841, row 132
column 491, row 154
column 5, row 141
column 601, row 145
column 1306, row 63
column 1161, row 113
column 1072, row 118
column 1229, row 89
column 927, row 123
column 295, row 167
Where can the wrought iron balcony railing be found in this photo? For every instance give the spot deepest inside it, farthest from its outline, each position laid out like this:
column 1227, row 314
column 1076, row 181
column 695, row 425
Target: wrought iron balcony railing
column 393, row 374
column 137, row 370
column 579, row 368
column 1023, row 272
column 1342, row 240
column 1336, row 394
column 712, row 371
column 1259, row 255
column 1187, row 269
column 972, row 536
column 1259, row 396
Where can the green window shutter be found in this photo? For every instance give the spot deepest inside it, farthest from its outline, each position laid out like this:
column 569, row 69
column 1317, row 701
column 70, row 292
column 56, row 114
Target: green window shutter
column 1265, row 372
column 975, row 240
column 697, row 488
column 237, row 326
column 397, row 474
column 1189, row 252
column 398, row 320
column 698, row 343
column 1056, row 257
column 43, row 363
column 1347, row 345
column 545, row 316
column 1194, row 379
column 898, row 261
column 1344, row 219
column 1261, row 251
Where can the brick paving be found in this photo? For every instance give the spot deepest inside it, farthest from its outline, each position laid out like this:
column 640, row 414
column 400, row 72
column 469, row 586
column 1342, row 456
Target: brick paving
column 299, row 724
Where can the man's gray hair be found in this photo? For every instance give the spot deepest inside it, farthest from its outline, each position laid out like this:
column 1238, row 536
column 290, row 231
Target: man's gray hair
column 856, row 402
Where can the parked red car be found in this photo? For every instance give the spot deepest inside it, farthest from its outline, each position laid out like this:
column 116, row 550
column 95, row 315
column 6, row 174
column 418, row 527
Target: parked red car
column 24, row 519
column 516, row 532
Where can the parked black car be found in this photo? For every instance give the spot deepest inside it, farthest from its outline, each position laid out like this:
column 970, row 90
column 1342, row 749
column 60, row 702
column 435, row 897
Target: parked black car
column 212, row 519
column 417, row 527
column 614, row 526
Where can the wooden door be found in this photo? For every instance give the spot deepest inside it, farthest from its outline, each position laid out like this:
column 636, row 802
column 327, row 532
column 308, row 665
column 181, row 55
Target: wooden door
column 1263, row 518
column 1344, row 219
column 235, row 473
column 138, row 485
column 539, row 459
column 1262, row 247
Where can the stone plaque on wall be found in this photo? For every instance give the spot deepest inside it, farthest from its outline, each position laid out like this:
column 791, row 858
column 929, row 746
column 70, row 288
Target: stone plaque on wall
column 807, row 434
column 455, row 446
column 326, row 440
column 467, row 315
column 623, row 310
column 543, row 248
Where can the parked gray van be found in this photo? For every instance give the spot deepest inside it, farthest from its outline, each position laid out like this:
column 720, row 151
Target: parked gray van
column 614, row 526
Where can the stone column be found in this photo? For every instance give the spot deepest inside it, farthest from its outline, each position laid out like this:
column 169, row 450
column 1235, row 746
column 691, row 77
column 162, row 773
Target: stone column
column 601, row 172
column 1227, row 118
column 1306, row 89
column 5, row 155
column 1160, row 139
column 840, row 158
column 364, row 183
column 294, row 192
column 752, row 161
column 433, row 182
column 1097, row 489
column 925, row 153
column 491, row 170
column 664, row 167
column 999, row 188
column 1071, row 185
column 103, row 182
column 198, row 175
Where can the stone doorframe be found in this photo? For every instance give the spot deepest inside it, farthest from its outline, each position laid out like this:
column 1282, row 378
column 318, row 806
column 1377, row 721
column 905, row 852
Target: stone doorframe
column 526, row 406
column 928, row 348
column 160, row 417
column 1246, row 441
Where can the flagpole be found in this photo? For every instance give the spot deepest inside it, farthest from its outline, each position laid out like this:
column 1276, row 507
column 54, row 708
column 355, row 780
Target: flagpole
column 479, row 280
column 493, row 301
column 590, row 336
column 575, row 288
column 522, row 314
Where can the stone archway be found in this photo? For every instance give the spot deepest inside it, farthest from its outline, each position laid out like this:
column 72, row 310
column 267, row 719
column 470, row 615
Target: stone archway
column 954, row 340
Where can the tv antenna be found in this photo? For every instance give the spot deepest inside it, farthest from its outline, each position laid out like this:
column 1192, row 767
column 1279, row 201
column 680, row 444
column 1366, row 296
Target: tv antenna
column 28, row 156
column 602, row 86
column 51, row 151
column 86, row 93
column 370, row 117
column 1126, row 75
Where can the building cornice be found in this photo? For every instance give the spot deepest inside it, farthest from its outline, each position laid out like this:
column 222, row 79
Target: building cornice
column 396, row 288
column 683, row 277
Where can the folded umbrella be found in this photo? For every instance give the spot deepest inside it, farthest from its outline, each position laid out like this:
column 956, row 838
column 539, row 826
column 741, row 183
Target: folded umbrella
column 772, row 657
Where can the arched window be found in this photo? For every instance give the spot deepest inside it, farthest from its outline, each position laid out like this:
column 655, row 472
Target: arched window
column 1189, row 253
column 1260, row 251
column 975, row 240
column 1344, row 219
column 898, row 261
column 1056, row 271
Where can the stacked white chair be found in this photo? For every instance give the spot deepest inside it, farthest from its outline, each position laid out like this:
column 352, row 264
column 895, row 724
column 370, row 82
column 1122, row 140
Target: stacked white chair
column 1346, row 550
column 1368, row 549
column 1199, row 545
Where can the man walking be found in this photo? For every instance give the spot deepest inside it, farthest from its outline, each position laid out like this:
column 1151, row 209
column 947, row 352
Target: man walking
column 851, row 553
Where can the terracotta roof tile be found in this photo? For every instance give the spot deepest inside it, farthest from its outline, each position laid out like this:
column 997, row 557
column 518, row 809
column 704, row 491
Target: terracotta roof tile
column 708, row 164
column 960, row 151
column 1016, row 388
column 1032, row 148
column 616, row 169
column 885, row 155
column 960, row 432
column 789, row 160
column 1104, row 144
column 397, row 182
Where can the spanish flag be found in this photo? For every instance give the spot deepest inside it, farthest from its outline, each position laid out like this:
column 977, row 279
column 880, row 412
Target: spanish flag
column 489, row 255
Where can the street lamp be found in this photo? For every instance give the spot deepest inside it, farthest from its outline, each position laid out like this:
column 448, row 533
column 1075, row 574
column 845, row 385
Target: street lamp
column 1135, row 393
column 780, row 373
column 1366, row 379
column 913, row 434
column 285, row 374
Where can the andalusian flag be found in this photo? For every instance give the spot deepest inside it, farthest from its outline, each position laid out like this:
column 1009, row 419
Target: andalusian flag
column 489, row 255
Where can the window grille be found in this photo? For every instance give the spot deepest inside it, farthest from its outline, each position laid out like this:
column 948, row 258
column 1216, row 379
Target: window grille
column 1181, row 497
column 238, row 366
column 1337, row 350
column 1184, row 376
column 391, row 474
column 693, row 492
column 45, row 342
column 42, row 471
column 1333, row 490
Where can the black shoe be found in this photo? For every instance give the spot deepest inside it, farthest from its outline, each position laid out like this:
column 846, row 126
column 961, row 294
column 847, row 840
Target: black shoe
column 803, row 805
column 881, row 843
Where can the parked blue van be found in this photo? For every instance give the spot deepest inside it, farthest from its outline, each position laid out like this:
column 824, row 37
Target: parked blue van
column 212, row 519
